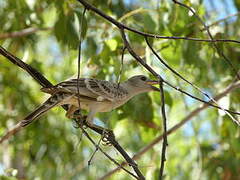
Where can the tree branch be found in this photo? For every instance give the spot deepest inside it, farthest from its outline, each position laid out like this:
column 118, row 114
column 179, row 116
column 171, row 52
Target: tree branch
column 151, row 70
column 184, row 79
column 22, row 33
column 111, row 136
column 140, row 60
column 192, row 114
column 211, row 37
column 221, row 20
column 165, row 141
column 140, row 176
column 11, row 133
column 32, row 71
column 123, row 26
column 45, row 83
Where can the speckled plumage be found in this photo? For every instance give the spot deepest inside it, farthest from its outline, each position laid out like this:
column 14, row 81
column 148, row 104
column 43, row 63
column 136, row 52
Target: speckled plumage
column 95, row 88
column 94, row 95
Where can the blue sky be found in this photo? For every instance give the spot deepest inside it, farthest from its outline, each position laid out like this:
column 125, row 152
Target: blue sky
column 222, row 8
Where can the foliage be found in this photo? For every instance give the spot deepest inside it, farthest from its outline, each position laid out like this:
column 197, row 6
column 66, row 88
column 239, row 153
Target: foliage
column 206, row 148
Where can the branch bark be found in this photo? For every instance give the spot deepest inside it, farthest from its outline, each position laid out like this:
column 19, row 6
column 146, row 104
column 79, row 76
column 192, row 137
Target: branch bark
column 22, row 33
column 45, row 83
column 165, row 140
column 220, row 52
column 123, row 26
column 192, row 114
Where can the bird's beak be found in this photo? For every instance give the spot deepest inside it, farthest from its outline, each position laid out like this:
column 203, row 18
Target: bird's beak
column 152, row 82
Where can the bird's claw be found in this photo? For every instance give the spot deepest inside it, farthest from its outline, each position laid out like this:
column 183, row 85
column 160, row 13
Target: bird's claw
column 80, row 121
column 107, row 137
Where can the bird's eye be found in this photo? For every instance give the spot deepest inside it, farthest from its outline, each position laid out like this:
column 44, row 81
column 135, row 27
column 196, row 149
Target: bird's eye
column 143, row 78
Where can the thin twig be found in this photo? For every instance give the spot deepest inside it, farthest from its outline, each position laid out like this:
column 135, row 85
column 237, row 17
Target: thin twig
column 129, row 160
column 187, row 81
column 121, row 67
column 45, row 83
column 138, row 58
column 79, row 61
column 23, row 32
column 151, row 70
column 211, row 37
column 10, row 133
column 221, row 20
column 123, row 26
column 116, row 145
column 191, row 115
column 165, row 141
column 33, row 72
column 99, row 148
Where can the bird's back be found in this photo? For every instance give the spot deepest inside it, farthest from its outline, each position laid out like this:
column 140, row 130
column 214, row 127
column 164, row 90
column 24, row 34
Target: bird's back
column 94, row 88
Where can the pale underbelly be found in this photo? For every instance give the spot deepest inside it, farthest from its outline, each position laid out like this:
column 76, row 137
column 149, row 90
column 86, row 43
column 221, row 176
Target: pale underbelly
column 102, row 106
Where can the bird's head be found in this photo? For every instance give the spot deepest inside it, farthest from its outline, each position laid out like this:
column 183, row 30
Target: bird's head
column 141, row 83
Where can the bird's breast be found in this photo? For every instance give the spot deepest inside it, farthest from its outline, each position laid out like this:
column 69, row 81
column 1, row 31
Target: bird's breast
column 109, row 105
column 99, row 106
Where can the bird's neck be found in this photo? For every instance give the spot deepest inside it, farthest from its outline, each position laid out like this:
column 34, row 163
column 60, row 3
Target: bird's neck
column 132, row 90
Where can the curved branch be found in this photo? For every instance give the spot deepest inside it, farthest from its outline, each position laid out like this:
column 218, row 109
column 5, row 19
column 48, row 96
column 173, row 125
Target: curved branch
column 221, row 20
column 151, row 70
column 123, row 26
column 111, row 159
column 11, row 132
column 184, row 79
column 22, row 33
column 211, row 37
column 32, row 71
column 192, row 114
column 111, row 137
column 45, row 83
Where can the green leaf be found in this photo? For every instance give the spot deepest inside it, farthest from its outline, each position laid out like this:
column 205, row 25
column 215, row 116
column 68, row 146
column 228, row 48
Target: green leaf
column 112, row 44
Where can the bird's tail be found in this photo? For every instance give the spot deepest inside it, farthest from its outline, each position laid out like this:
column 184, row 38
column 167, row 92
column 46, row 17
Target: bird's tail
column 54, row 100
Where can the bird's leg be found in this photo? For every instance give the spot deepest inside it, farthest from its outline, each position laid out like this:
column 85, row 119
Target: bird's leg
column 88, row 121
column 70, row 112
column 72, row 115
column 106, row 133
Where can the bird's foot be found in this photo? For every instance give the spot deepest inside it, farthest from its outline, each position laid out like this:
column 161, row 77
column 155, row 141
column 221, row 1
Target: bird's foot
column 107, row 134
column 107, row 137
column 80, row 121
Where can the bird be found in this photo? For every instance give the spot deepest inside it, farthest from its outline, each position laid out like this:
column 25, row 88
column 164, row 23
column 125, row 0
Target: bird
column 94, row 96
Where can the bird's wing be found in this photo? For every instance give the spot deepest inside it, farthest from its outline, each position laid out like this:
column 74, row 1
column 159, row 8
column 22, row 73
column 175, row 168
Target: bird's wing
column 106, row 89
column 99, row 89
column 70, row 86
